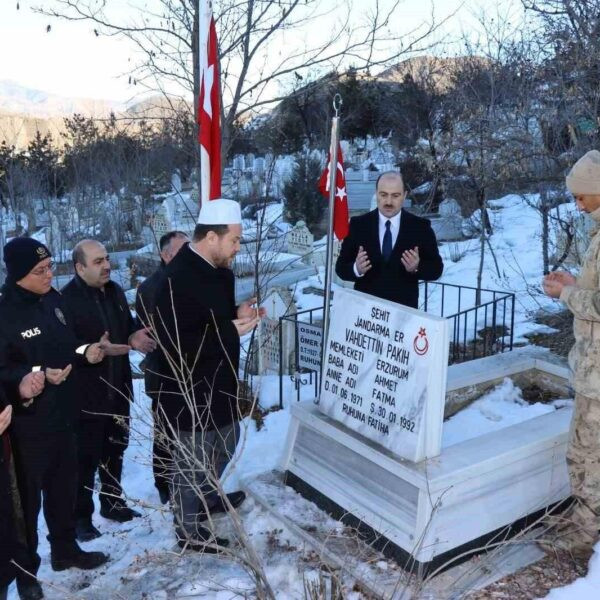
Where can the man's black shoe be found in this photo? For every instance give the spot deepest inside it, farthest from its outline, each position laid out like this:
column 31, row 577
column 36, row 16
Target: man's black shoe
column 199, row 542
column 119, row 512
column 85, row 530
column 78, row 559
column 29, row 589
column 235, row 499
column 163, row 493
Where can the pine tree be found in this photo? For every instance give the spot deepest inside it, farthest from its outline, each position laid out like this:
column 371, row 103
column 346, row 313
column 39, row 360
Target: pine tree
column 302, row 199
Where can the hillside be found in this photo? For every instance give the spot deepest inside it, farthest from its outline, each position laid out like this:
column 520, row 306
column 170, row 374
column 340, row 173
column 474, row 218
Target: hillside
column 24, row 111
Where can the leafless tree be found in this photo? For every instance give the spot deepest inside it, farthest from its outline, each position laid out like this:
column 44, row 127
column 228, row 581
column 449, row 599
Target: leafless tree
column 264, row 44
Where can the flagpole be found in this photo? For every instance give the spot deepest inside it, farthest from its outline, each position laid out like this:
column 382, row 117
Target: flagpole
column 333, row 153
column 204, row 15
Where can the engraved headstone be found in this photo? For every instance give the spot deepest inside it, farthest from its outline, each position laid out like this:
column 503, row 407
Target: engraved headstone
column 300, row 240
column 310, row 340
column 277, row 302
column 384, row 373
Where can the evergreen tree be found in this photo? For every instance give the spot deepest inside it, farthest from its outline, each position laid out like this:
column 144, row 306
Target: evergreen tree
column 302, row 199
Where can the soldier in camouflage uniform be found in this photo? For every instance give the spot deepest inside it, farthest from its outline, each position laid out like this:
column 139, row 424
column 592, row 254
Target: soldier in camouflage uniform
column 579, row 529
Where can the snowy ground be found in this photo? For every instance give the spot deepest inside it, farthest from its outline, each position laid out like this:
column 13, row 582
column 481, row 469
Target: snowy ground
column 144, row 563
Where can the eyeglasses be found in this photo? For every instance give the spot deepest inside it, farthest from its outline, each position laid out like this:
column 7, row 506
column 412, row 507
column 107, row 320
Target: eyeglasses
column 43, row 270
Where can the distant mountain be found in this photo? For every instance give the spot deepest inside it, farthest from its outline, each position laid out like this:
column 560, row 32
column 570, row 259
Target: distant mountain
column 23, row 111
column 18, row 99
column 438, row 71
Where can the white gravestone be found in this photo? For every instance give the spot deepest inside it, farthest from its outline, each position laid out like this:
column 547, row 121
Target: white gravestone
column 277, row 302
column 384, row 373
column 176, row 182
column 300, row 241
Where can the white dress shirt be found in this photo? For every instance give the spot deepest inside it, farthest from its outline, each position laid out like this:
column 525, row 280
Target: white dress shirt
column 394, row 229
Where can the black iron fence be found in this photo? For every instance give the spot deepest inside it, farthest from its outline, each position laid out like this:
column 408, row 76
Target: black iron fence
column 481, row 324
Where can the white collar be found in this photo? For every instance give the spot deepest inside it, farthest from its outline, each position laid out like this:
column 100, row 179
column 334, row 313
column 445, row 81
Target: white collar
column 395, row 220
column 200, row 255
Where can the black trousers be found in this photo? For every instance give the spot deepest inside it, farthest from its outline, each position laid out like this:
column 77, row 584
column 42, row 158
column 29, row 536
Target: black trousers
column 46, row 466
column 161, row 454
column 102, row 442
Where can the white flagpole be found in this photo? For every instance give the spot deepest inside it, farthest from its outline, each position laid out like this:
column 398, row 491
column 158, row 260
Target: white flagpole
column 333, row 167
column 204, row 16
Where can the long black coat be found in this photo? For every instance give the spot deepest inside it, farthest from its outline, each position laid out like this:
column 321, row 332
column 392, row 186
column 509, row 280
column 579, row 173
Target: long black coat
column 145, row 301
column 200, row 329
column 36, row 331
column 108, row 384
column 390, row 280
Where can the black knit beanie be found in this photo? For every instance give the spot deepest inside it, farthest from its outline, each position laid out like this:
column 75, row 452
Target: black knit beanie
column 21, row 255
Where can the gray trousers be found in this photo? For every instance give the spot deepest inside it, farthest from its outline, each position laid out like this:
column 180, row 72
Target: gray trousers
column 199, row 458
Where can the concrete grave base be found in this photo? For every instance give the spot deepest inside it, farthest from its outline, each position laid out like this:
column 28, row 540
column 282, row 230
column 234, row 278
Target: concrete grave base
column 431, row 509
column 345, row 550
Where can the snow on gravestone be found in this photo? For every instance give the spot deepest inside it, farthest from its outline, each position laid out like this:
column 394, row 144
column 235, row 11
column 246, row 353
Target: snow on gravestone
column 384, row 374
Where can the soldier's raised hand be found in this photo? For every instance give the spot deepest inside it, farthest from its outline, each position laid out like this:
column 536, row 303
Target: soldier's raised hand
column 32, row 385
column 563, row 277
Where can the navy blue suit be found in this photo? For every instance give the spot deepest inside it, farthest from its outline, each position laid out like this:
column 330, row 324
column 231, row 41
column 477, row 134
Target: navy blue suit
column 390, row 280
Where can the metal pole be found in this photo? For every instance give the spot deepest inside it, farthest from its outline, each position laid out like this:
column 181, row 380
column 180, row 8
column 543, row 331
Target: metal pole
column 333, row 153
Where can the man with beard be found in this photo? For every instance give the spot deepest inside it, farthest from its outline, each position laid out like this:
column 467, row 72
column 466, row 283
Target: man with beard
column 199, row 328
column 38, row 350
column 388, row 250
column 100, row 309
column 170, row 244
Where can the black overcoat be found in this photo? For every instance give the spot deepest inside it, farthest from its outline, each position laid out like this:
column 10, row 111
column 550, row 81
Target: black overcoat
column 107, row 384
column 145, row 301
column 390, row 280
column 36, row 331
column 195, row 309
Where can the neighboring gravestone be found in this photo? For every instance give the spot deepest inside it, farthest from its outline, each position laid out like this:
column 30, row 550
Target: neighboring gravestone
column 384, row 373
column 448, row 226
column 449, row 208
column 277, row 302
column 300, row 241
column 176, row 181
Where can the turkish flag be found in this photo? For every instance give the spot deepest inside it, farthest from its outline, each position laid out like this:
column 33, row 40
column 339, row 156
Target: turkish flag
column 340, row 206
column 209, row 109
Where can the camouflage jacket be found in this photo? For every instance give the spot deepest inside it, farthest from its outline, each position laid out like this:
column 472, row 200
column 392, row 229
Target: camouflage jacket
column 583, row 300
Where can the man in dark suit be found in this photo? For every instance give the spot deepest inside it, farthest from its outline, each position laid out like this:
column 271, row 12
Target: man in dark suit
column 100, row 310
column 170, row 244
column 388, row 250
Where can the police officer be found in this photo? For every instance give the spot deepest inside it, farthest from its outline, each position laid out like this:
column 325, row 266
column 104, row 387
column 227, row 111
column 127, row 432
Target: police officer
column 38, row 351
column 99, row 308
column 170, row 244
